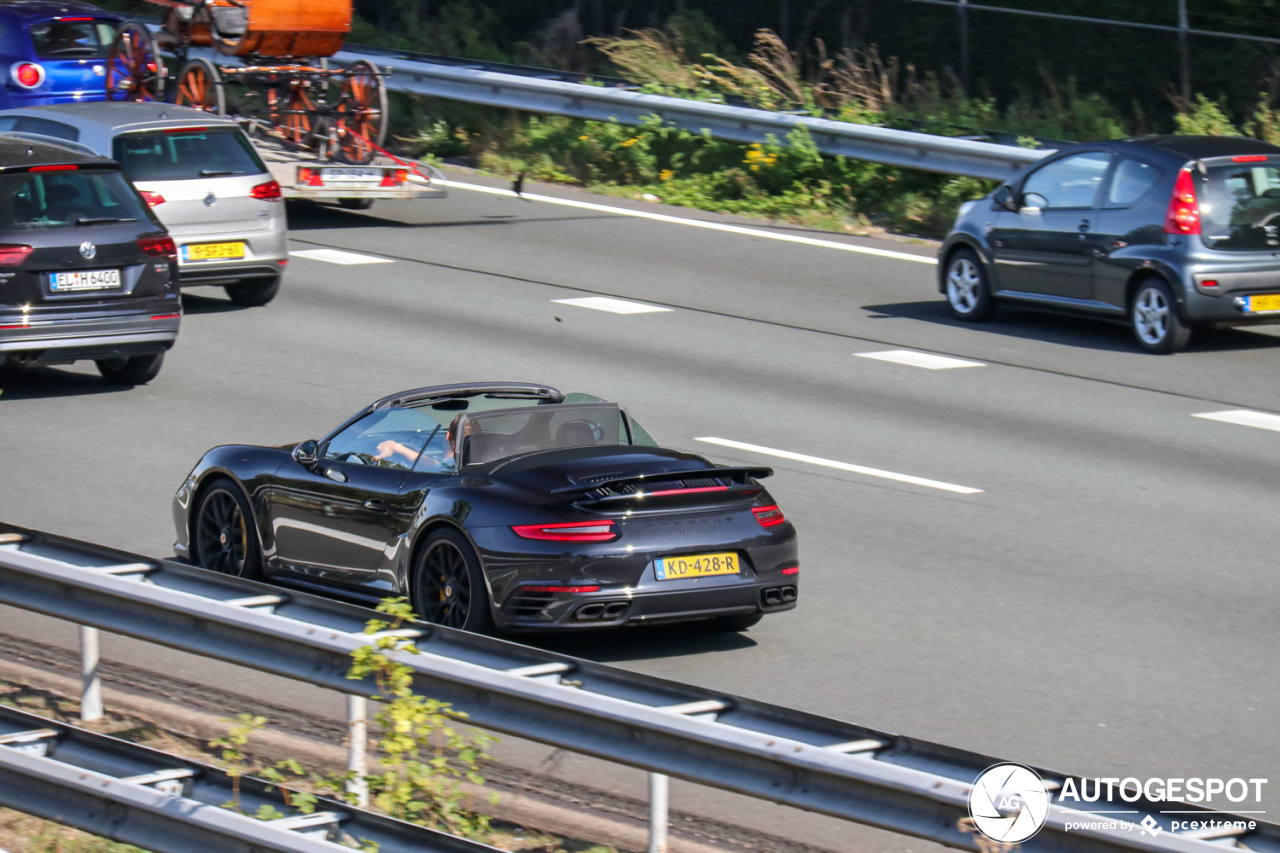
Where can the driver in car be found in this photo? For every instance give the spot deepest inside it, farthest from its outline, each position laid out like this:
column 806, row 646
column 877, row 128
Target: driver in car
column 391, row 447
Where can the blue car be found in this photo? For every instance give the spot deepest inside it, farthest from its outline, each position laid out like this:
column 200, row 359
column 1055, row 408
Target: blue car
column 53, row 52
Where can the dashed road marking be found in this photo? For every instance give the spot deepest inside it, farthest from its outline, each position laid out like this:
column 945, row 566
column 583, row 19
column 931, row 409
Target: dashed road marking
column 841, row 466
column 920, row 359
column 613, row 306
column 1244, row 417
column 334, row 256
column 698, row 223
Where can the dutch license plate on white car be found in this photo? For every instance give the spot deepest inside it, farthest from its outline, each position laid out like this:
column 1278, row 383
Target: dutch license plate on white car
column 84, row 280
column 328, row 175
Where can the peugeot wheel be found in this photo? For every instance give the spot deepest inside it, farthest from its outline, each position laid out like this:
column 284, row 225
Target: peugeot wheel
column 968, row 293
column 225, row 537
column 448, row 587
column 1153, row 314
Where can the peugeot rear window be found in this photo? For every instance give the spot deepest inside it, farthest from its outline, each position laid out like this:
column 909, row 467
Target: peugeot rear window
column 1240, row 206
column 186, row 154
column 82, row 38
column 37, row 201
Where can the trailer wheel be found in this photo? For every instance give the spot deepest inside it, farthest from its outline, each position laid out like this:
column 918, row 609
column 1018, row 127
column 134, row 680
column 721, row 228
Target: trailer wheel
column 135, row 71
column 200, row 87
column 361, row 112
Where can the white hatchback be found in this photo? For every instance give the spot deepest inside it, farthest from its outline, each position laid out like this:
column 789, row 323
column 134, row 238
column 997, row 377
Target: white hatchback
column 202, row 177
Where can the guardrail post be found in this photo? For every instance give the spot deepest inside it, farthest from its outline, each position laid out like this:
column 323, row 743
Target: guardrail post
column 659, row 787
column 90, row 683
column 357, row 744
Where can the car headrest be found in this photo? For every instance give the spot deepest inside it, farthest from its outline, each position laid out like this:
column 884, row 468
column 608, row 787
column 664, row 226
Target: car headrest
column 575, row 434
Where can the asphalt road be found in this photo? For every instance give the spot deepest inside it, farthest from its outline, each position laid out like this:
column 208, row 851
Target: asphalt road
column 1103, row 605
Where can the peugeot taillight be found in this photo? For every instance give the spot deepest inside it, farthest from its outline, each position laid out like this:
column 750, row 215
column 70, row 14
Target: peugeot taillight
column 768, row 516
column 159, row 247
column 1184, row 212
column 28, row 75
column 11, row 256
column 270, row 191
column 573, row 531
column 152, row 199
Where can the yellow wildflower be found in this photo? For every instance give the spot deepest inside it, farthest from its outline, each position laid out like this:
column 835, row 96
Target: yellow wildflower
column 666, row 175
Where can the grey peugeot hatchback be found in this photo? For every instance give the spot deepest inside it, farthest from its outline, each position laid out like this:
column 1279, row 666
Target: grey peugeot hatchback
column 86, row 269
column 1167, row 234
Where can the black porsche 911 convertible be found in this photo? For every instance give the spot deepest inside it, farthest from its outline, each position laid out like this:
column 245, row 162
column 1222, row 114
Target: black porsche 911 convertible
column 497, row 505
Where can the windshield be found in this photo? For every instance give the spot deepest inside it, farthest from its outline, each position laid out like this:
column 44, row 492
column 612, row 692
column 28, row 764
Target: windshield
column 489, row 436
column 1240, row 207
column 66, row 199
column 82, row 38
column 186, row 154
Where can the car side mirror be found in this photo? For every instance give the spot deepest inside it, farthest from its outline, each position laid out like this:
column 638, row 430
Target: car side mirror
column 1033, row 204
column 1004, row 198
column 307, row 453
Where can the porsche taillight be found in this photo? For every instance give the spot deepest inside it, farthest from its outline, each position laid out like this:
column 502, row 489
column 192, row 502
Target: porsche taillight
column 572, row 531
column 768, row 516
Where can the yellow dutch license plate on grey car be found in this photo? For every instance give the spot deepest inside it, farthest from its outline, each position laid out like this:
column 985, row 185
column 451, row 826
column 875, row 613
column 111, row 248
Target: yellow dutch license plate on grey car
column 696, row 566
column 213, row 251
column 1264, row 303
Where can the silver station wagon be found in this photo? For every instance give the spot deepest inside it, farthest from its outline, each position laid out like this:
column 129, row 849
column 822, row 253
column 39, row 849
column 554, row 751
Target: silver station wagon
column 200, row 174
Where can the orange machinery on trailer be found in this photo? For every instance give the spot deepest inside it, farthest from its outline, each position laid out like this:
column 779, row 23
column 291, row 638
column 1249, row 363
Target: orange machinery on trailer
column 282, row 78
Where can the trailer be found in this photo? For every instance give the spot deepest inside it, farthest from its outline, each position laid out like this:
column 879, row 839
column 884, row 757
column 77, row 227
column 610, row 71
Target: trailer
column 320, row 126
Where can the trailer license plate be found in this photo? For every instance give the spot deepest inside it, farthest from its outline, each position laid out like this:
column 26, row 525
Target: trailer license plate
column 213, row 252
column 328, row 175
column 82, row 280
column 696, row 566
column 1262, row 304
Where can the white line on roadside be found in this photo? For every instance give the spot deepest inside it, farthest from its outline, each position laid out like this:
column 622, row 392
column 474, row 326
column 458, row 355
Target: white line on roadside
column 333, row 256
column 1244, row 417
column 841, row 466
column 613, row 306
column 919, row 359
column 698, row 223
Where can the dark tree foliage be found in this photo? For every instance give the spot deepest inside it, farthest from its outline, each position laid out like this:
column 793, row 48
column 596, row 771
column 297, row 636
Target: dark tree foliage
column 1009, row 54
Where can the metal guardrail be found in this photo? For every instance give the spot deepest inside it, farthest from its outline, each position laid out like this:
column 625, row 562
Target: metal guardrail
column 949, row 155
column 168, row 804
column 836, row 768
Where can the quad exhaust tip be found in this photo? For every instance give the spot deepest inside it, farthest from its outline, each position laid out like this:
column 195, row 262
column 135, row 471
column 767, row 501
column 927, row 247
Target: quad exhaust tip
column 776, row 596
column 604, row 611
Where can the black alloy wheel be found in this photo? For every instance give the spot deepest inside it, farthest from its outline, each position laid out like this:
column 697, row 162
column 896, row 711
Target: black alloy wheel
column 448, row 588
column 225, row 539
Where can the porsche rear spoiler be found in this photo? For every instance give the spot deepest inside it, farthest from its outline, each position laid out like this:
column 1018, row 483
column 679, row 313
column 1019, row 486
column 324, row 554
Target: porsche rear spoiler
column 739, row 476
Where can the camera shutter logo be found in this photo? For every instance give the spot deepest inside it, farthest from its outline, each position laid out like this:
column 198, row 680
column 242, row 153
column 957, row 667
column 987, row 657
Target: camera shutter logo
column 1008, row 803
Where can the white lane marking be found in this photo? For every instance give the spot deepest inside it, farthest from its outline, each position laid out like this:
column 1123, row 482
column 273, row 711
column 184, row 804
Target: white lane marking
column 697, row 223
column 919, row 359
column 613, row 306
column 1244, row 417
column 841, row 466
column 333, row 256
